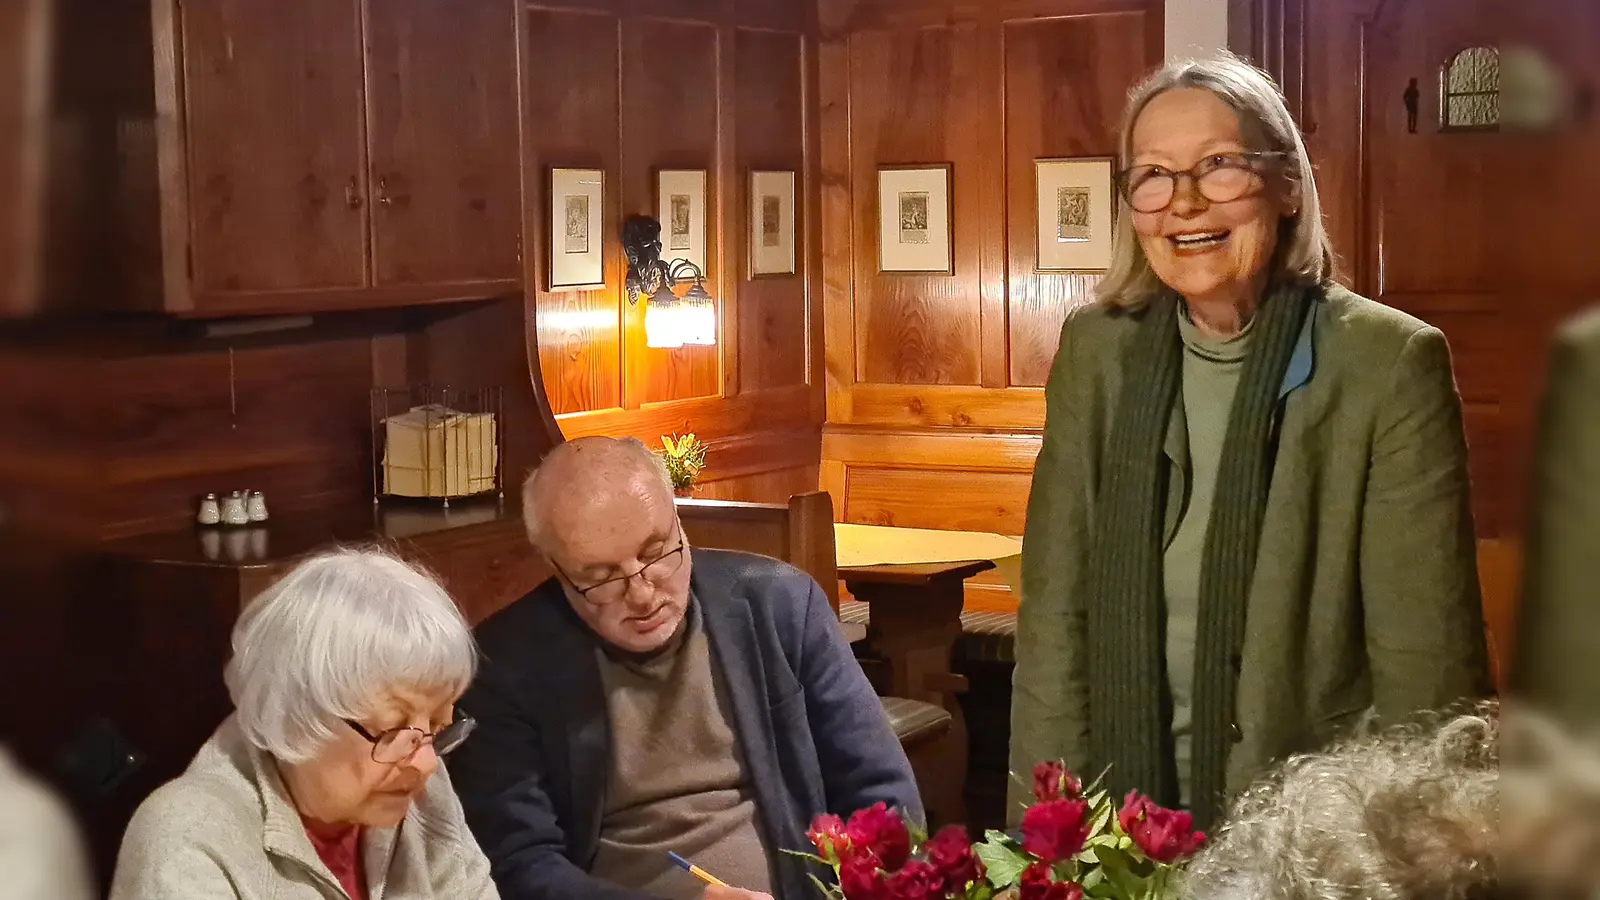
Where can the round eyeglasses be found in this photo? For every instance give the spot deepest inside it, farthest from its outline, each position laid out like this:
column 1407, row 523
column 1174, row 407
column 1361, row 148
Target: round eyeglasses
column 397, row 745
column 1220, row 178
column 613, row 589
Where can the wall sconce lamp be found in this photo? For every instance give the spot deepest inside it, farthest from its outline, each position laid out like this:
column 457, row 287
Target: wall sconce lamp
column 669, row 322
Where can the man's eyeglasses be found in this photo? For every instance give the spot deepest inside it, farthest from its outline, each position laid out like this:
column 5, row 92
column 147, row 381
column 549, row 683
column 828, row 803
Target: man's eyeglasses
column 397, row 745
column 613, row 589
column 1220, row 178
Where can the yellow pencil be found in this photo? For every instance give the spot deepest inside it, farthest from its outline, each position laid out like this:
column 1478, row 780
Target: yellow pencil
column 695, row 870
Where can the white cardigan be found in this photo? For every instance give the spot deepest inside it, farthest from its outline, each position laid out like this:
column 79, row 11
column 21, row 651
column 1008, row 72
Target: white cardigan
column 41, row 857
column 226, row 829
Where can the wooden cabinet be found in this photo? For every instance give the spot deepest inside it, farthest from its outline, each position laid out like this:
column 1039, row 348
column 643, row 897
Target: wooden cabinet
column 442, row 129
column 275, row 149
column 237, row 157
column 346, row 153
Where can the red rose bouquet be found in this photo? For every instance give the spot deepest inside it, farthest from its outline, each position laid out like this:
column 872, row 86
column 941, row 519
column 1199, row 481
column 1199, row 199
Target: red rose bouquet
column 879, row 855
column 1075, row 844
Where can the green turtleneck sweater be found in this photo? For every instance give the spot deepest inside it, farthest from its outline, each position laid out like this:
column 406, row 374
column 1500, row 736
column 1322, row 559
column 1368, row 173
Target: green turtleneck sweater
column 1211, row 368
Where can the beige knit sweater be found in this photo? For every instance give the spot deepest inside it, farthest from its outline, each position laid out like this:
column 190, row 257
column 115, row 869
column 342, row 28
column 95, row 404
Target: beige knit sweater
column 226, row 829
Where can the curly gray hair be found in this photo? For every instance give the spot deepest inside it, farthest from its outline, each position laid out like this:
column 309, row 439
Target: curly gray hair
column 1405, row 814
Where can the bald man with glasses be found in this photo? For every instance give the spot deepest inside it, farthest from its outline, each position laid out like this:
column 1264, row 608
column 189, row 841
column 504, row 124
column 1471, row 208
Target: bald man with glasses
column 652, row 699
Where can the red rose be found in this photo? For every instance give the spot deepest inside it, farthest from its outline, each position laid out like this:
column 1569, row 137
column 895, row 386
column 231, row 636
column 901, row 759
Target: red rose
column 950, row 852
column 1164, row 835
column 827, row 834
column 883, row 833
column 1055, row 830
column 1036, row 884
column 1052, row 781
column 916, row 880
column 860, row 879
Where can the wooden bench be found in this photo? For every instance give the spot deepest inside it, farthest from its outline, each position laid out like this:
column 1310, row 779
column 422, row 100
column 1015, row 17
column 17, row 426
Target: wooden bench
column 801, row 534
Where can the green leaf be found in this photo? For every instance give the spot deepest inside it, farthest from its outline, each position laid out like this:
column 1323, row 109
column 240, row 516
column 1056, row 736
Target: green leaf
column 1003, row 864
column 804, row 855
column 825, row 890
column 1101, row 818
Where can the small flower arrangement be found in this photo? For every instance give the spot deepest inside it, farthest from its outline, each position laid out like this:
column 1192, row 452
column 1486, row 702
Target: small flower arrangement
column 685, row 458
column 1073, row 844
column 880, row 855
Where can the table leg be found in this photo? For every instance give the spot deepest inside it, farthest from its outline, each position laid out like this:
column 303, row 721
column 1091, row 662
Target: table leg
column 913, row 629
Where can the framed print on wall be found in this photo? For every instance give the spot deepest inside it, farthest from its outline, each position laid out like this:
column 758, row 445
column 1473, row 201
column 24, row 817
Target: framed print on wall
column 1075, row 203
column 914, row 215
column 771, row 224
column 681, row 209
column 577, row 220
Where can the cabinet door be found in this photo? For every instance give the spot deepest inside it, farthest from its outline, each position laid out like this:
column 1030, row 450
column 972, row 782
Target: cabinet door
column 277, row 173
column 446, row 171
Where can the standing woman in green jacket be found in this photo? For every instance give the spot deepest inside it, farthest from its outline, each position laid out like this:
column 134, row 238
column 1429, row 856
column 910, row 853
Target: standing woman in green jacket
column 1249, row 525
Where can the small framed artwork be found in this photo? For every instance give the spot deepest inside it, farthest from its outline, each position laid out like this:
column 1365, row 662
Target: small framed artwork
column 681, row 204
column 914, row 214
column 577, row 217
column 1075, row 205
column 771, row 224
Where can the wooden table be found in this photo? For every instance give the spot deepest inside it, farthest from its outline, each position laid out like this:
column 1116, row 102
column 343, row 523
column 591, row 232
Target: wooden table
column 916, row 619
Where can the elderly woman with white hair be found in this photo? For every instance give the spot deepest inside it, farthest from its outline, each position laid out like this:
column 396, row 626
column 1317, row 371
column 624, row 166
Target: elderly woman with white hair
column 1249, row 524
column 325, row 782
column 1408, row 813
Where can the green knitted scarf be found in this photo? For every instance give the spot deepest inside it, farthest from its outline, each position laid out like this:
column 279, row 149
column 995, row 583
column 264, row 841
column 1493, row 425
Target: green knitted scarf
column 1129, row 729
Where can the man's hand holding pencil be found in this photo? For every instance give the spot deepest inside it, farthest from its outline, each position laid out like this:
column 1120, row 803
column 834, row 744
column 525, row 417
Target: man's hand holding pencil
column 715, row 888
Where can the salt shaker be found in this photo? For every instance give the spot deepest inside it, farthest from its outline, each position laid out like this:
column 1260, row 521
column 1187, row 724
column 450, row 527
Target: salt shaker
column 233, row 511
column 210, row 513
column 255, row 506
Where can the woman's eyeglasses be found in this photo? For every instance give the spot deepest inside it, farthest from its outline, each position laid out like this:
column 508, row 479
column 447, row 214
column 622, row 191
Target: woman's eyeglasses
column 1220, row 178
column 613, row 589
column 397, row 745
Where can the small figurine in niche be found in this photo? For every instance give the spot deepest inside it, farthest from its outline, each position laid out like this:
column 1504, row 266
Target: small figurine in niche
column 1412, row 96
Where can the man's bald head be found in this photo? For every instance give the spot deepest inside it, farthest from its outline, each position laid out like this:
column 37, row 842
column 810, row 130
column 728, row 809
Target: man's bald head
column 588, row 477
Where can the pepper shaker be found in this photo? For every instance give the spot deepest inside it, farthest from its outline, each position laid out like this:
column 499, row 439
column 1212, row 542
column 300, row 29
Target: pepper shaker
column 233, row 511
column 210, row 513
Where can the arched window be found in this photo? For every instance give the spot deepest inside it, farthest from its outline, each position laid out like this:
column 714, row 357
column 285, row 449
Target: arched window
column 1469, row 91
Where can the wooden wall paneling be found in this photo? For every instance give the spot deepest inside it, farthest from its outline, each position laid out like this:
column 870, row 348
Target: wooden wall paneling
column 26, row 27
column 669, row 121
column 769, row 124
column 572, row 115
column 993, row 279
column 1066, row 82
column 938, row 498
column 712, row 419
column 443, row 135
column 914, row 101
column 837, row 220
column 813, row 250
column 840, row 16
column 276, row 145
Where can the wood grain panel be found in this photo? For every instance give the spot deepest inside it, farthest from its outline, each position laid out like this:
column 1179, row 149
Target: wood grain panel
column 913, row 101
column 669, row 122
column 276, row 144
column 856, row 15
column 571, row 90
column 444, row 152
column 919, row 406
column 769, row 135
column 920, row 498
column 774, row 486
column 945, row 448
column 1066, row 81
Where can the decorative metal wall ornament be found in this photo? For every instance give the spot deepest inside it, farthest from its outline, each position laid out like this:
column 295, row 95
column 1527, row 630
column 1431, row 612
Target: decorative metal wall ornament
column 1412, row 96
column 669, row 322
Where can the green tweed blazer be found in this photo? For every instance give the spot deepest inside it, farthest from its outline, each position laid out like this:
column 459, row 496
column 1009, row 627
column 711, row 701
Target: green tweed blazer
column 1364, row 604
